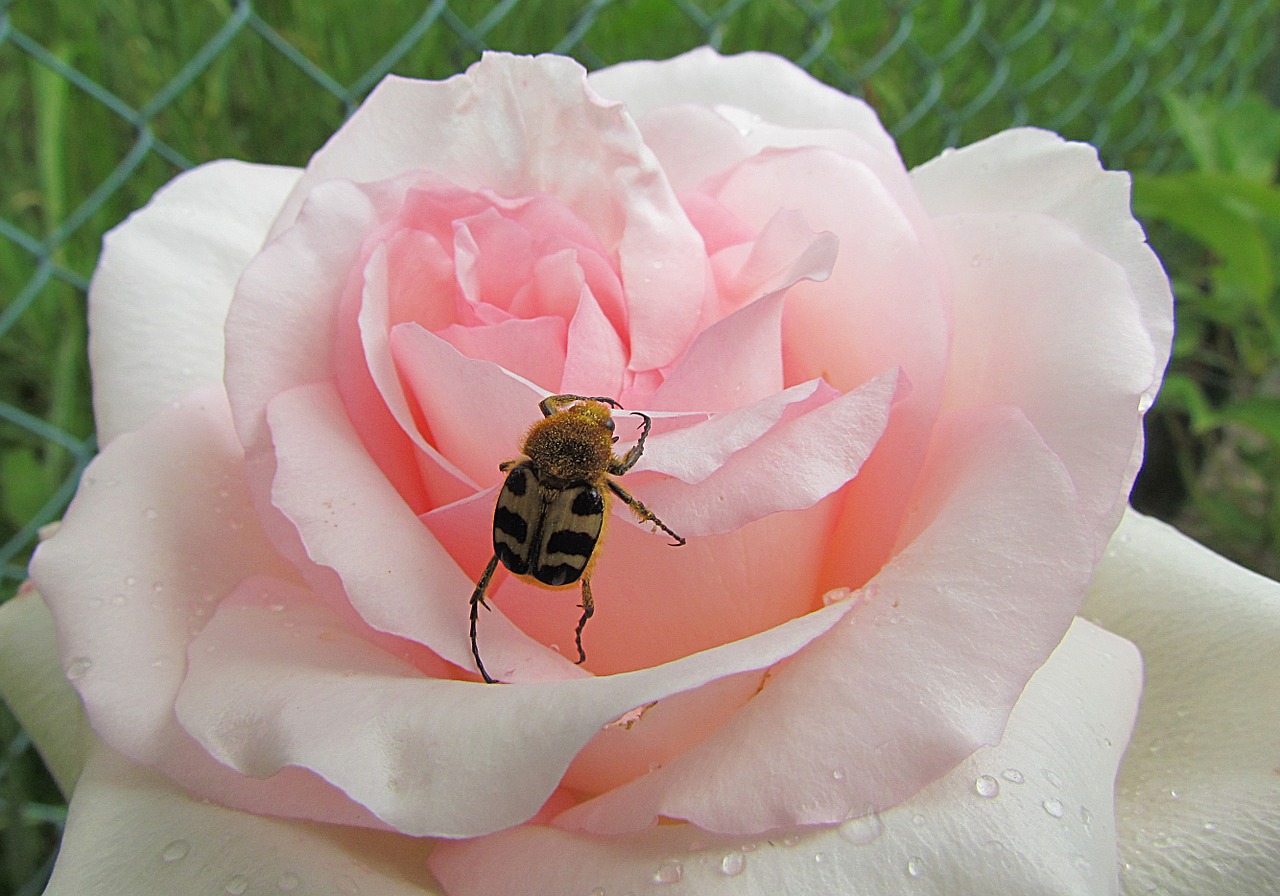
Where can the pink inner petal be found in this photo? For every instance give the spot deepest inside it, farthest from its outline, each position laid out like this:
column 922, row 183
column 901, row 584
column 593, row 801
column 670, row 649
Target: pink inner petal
column 596, row 357
column 792, row 467
column 533, row 349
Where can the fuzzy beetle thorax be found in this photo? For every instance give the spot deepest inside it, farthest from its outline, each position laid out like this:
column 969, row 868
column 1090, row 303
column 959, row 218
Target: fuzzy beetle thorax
column 574, row 445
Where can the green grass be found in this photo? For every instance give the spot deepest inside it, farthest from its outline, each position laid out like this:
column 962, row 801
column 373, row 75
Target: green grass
column 103, row 101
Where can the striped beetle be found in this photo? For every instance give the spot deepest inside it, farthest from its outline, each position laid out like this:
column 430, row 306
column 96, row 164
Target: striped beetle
column 552, row 506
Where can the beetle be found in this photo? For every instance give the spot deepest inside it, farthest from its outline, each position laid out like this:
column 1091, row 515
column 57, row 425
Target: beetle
column 552, row 506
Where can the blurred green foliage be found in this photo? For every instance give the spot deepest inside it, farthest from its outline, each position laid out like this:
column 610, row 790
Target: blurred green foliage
column 1218, row 227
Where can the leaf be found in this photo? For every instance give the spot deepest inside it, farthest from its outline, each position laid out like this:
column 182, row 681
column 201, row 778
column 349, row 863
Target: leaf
column 22, row 484
column 1260, row 413
column 1242, row 140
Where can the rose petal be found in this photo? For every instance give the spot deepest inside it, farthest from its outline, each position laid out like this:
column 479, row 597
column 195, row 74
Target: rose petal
column 792, row 467
column 130, row 831
column 482, row 128
column 765, row 85
column 160, row 293
column 37, row 692
column 991, row 563
column 392, row 571
column 1050, row 326
column 1032, row 815
column 450, row 390
column 1198, row 794
column 596, row 358
column 1029, row 170
column 173, row 496
column 435, row 757
column 295, row 285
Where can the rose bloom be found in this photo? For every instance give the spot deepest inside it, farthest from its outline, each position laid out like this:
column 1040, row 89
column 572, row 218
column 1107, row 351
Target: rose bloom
column 896, row 415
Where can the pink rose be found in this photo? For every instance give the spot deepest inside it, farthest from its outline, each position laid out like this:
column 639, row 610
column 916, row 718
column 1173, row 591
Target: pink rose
column 896, row 416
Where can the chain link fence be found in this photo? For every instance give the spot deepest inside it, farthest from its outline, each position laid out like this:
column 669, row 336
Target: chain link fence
column 105, row 100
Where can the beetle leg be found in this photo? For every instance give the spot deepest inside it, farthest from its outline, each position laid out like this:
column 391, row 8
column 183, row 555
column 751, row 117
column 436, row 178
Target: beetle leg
column 477, row 601
column 553, row 403
column 588, row 606
column 620, row 465
column 644, row 513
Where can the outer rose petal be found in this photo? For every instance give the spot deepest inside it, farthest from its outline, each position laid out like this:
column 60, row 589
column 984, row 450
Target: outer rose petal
column 132, row 833
column 127, row 605
column 1052, row 257
column 160, row 294
column 976, row 573
column 1199, row 790
column 1028, row 170
column 432, row 757
column 763, row 84
column 1050, row 833
column 37, row 692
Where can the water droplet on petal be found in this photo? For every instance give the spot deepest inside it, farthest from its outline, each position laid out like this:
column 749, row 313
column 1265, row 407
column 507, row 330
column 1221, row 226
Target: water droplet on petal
column 288, row 882
column 1210, row 826
column 918, row 820
column 118, row 600
column 236, row 885
column 819, row 857
column 1081, row 862
column 598, row 891
column 131, row 581
column 733, row 863
column 1053, row 778
column 1013, row 776
column 668, row 872
column 78, row 667
column 346, row 886
column 150, row 513
column 863, row 830
column 915, row 867
column 1086, row 816
column 1054, row 807
column 178, row 849
column 838, row 775
column 791, row 840
column 986, row 786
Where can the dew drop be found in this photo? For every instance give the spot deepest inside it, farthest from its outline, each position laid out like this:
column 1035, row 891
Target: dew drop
column 837, row 775
column 733, row 863
column 1013, row 776
column 791, row 840
column 986, row 786
column 77, row 668
column 1054, row 807
column 598, row 891
column 863, row 830
column 131, row 581
column 915, row 867
column 118, row 600
column 176, row 850
column 819, row 857
column 1210, row 826
column 150, row 513
column 669, row 872
column 918, row 820
column 1081, row 862
column 288, row 882
column 1052, row 777
column 236, row 885
column 1086, row 816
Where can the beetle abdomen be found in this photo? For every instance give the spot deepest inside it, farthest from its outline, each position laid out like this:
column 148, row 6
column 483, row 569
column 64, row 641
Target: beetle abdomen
column 548, row 534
